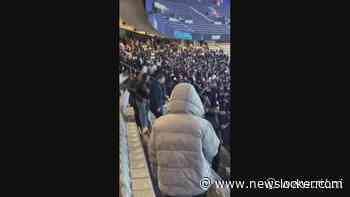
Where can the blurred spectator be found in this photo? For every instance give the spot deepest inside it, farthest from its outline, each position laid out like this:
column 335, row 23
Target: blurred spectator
column 132, row 86
column 142, row 101
column 157, row 95
column 213, row 108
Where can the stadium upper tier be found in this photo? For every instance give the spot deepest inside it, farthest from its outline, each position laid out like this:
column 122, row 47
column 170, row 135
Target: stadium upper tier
column 195, row 19
column 205, row 6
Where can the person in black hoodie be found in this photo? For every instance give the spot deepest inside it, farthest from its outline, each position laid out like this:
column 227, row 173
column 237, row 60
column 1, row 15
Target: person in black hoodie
column 213, row 108
column 142, row 101
column 132, row 86
column 157, row 95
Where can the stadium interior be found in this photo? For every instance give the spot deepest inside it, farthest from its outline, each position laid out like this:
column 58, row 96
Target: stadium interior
column 166, row 43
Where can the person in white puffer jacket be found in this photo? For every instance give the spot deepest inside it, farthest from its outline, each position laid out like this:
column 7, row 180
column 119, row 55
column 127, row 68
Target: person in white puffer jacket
column 183, row 145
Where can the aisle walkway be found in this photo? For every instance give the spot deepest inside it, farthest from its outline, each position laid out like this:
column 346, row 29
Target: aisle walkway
column 141, row 181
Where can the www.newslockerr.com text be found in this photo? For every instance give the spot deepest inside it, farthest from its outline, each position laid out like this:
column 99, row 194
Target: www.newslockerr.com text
column 272, row 183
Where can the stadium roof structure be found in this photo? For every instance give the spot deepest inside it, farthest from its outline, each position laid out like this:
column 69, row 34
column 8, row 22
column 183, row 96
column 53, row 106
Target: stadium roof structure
column 134, row 14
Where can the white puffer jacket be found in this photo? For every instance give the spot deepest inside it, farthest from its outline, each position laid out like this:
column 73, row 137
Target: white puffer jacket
column 182, row 145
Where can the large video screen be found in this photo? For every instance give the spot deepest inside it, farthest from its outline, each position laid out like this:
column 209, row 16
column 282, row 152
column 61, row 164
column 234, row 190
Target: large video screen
column 191, row 19
column 149, row 5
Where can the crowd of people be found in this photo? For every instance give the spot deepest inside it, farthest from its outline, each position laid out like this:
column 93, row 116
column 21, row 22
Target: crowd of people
column 154, row 66
column 186, row 87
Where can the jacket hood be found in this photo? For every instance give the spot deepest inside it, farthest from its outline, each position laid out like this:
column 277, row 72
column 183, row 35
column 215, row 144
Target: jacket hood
column 184, row 99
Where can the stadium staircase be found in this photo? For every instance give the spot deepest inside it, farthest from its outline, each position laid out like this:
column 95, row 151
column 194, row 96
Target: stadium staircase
column 135, row 178
column 200, row 25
